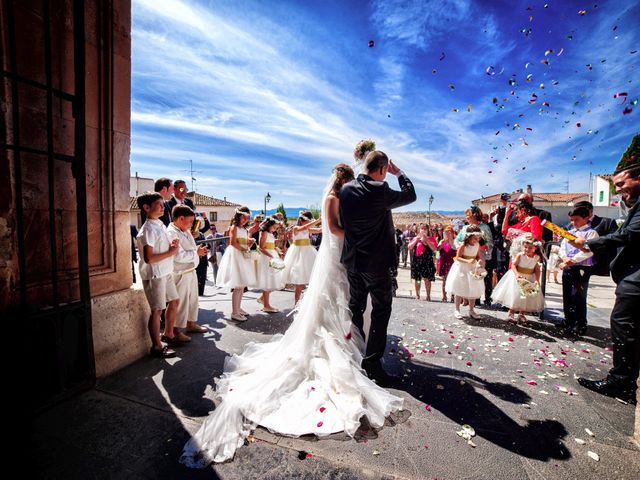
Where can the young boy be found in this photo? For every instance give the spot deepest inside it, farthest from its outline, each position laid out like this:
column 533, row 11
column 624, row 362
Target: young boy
column 184, row 271
column 156, row 269
column 576, row 268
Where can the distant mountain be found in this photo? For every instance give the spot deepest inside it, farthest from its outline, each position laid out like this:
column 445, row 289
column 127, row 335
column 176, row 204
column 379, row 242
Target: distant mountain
column 294, row 211
column 443, row 212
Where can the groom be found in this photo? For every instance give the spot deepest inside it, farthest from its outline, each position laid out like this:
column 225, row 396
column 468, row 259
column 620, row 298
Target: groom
column 369, row 250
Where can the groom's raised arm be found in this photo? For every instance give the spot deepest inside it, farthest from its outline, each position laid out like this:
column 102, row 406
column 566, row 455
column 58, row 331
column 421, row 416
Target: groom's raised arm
column 406, row 195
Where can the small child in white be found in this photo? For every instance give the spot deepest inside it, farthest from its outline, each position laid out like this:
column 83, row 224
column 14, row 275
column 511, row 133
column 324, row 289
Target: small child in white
column 156, row 269
column 525, row 270
column 269, row 277
column 184, row 271
column 236, row 269
column 301, row 255
column 461, row 282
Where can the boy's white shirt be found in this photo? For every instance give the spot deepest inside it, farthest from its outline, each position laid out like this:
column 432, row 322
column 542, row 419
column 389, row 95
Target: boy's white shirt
column 154, row 234
column 187, row 256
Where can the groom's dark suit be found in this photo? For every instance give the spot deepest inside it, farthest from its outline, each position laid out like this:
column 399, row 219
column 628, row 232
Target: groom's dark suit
column 369, row 251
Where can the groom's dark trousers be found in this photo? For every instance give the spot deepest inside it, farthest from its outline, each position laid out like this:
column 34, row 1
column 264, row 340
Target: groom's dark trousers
column 369, row 252
column 378, row 285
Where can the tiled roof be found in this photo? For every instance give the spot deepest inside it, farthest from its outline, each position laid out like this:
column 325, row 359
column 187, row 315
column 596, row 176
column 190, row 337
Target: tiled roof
column 544, row 197
column 199, row 201
column 406, row 218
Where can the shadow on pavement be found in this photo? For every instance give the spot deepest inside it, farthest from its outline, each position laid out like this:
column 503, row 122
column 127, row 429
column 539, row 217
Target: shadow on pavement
column 542, row 330
column 462, row 397
column 132, row 424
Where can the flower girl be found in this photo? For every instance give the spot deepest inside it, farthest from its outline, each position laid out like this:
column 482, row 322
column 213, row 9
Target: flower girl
column 519, row 288
column 269, row 264
column 298, row 263
column 465, row 279
column 236, row 269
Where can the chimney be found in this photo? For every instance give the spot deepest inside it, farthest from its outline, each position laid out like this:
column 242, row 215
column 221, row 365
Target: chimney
column 529, row 190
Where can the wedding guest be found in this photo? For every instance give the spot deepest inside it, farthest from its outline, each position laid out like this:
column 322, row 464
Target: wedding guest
column 553, row 264
column 164, row 187
column 269, row 276
column 527, row 198
column 447, row 250
column 236, row 270
column 134, row 253
column 216, row 250
column 203, row 263
column 301, row 255
column 603, row 226
column 407, row 236
column 254, row 230
column 474, row 217
column 282, row 244
column 527, row 221
column 576, row 271
column 625, row 271
column 519, row 289
column 461, row 280
column 185, row 277
column 156, row 271
column 422, row 267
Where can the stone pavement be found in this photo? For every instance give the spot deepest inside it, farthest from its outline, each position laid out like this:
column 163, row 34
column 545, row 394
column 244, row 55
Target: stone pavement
column 515, row 385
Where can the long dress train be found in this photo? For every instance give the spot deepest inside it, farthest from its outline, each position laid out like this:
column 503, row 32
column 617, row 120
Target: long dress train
column 307, row 381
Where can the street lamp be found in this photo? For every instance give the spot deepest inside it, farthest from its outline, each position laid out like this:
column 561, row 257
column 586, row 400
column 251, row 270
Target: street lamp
column 430, row 202
column 267, row 199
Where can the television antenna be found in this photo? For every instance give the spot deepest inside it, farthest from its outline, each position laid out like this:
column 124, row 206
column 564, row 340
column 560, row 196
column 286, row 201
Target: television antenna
column 191, row 172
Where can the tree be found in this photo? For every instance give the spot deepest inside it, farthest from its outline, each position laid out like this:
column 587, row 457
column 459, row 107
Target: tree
column 280, row 209
column 315, row 210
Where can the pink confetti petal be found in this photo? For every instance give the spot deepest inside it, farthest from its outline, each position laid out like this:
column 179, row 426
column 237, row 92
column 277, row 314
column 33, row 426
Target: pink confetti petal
column 322, row 409
column 320, row 424
column 427, row 407
column 469, row 364
column 532, row 382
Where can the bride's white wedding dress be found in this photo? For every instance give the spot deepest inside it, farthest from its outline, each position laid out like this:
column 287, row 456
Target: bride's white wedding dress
column 307, row 381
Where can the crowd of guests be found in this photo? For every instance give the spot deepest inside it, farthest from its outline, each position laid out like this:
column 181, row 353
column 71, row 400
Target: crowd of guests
column 497, row 256
column 504, row 250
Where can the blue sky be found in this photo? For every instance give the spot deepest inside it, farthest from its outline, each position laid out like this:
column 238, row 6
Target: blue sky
column 268, row 96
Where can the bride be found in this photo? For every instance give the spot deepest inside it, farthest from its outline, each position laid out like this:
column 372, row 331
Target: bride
column 307, row 381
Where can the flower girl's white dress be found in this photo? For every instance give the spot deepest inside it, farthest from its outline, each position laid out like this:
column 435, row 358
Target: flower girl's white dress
column 269, row 278
column 236, row 269
column 299, row 260
column 459, row 280
column 507, row 291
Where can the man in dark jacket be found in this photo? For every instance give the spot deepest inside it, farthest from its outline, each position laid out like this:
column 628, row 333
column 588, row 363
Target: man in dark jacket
column 369, row 250
column 625, row 270
column 180, row 198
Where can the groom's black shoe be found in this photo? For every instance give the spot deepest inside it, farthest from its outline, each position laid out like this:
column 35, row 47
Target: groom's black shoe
column 610, row 388
column 376, row 373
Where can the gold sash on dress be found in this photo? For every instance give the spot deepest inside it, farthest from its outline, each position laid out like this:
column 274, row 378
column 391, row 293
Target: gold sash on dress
column 242, row 241
column 468, row 257
column 269, row 246
column 526, row 271
column 303, row 242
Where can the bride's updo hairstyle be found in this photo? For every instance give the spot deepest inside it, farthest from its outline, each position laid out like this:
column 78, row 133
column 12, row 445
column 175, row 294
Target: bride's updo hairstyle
column 306, row 216
column 344, row 174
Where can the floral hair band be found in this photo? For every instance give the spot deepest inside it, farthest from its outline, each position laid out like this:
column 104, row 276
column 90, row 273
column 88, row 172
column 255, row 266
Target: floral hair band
column 240, row 212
